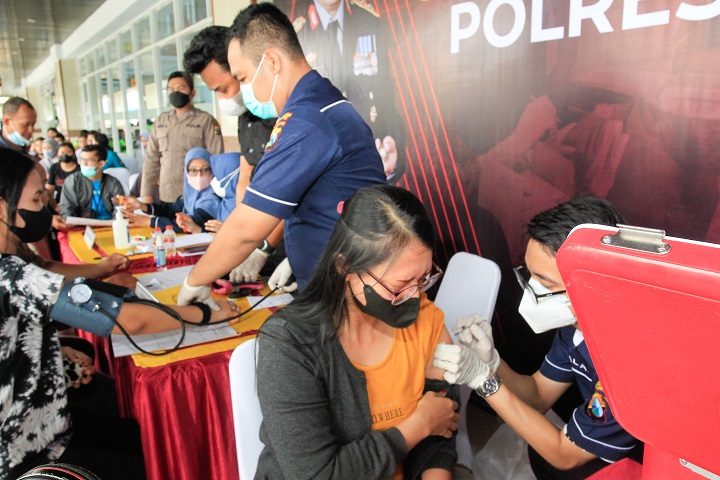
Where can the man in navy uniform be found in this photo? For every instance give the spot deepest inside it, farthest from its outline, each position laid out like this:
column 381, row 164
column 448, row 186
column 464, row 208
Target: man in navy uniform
column 319, row 153
column 592, row 438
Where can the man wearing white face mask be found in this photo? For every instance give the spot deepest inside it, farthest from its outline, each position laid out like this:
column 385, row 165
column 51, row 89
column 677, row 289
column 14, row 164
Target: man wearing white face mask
column 319, row 153
column 592, row 437
column 207, row 56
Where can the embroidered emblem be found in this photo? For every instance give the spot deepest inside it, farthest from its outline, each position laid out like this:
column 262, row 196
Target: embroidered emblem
column 597, row 406
column 217, row 131
column 276, row 131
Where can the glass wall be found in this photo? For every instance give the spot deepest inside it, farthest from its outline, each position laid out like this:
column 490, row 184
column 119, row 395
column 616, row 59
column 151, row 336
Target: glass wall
column 124, row 80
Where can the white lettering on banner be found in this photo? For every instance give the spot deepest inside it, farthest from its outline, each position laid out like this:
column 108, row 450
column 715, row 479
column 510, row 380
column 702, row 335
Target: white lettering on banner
column 465, row 19
column 596, row 13
column 508, row 39
column 537, row 33
column 698, row 12
column 633, row 19
column 457, row 33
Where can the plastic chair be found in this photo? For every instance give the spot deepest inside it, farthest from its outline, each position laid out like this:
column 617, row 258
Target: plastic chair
column 133, row 179
column 247, row 416
column 122, row 174
column 130, row 162
column 470, row 285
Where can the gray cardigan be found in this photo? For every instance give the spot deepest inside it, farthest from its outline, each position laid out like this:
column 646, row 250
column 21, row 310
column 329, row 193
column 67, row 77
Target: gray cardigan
column 316, row 414
column 77, row 195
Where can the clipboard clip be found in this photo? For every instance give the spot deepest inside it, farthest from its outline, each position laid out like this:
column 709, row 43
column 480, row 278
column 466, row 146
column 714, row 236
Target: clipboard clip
column 638, row 238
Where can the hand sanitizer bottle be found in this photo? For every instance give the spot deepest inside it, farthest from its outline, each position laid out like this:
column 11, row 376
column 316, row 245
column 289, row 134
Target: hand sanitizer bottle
column 121, row 230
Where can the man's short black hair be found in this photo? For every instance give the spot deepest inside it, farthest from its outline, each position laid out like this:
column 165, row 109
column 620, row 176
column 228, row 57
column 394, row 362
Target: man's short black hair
column 59, row 137
column 100, row 151
column 83, row 133
column 207, row 46
column 552, row 226
column 185, row 75
column 262, row 26
column 102, row 139
column 53, row 129
column 13, row 104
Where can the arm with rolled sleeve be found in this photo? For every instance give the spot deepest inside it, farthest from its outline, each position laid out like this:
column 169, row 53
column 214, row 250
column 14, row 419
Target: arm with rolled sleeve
column 151, row 166
column 290, row 168
column 298, row 427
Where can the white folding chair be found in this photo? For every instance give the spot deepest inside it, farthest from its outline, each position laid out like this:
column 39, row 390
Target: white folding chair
column 470, row 285
column 247, row 416
column 122, row 174
column 130, row 162
column 133, row 179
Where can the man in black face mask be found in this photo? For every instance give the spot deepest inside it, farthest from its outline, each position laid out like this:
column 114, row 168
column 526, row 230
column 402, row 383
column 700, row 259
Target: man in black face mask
column 174, row 133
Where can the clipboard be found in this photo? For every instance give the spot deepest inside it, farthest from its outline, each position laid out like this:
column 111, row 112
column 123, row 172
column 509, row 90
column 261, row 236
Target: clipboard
column 649, row 309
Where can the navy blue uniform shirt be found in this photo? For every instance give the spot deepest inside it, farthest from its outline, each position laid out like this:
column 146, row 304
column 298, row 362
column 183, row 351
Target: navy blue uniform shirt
column 592, row 426
column 319, row 153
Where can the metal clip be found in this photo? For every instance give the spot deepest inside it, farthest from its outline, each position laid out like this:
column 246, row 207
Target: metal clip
column 638, row 238
column 699, row 470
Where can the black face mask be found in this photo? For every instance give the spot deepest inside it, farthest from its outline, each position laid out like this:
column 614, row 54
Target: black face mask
column 66, row 158
column 397, row 316
column 179, row 99
column 37, row 225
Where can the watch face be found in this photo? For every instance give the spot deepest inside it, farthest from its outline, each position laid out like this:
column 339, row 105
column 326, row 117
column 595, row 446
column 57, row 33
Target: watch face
column 80, row 294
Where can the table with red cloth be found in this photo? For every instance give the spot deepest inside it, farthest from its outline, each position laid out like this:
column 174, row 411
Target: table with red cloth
column 181, row 400
column 74, row 250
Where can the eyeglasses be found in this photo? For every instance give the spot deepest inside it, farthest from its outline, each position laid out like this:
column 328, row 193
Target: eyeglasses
column 194, row 172
column 404, row 294
column 523, row 276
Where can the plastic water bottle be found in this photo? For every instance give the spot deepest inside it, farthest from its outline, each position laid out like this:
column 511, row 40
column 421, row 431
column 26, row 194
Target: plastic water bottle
column 169, row 241
column 160, row 260
column 121, row 230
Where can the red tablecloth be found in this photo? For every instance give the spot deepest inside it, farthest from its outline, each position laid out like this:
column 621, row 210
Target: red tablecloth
column 185, row 417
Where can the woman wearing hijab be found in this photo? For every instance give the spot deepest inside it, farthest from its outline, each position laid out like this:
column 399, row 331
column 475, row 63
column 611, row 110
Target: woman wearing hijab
column 192, row 209
column 49, row 150
column 226, row 168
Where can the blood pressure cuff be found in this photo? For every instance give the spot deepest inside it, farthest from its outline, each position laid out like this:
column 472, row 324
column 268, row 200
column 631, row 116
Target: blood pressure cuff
column 89, row 315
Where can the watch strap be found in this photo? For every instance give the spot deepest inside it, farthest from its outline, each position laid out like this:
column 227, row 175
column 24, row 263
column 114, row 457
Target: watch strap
column 489, row 386
column 266, row 247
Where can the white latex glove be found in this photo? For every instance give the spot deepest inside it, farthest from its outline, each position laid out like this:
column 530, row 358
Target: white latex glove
column 249, row 270
column 475, row 332
column 462, row 365
column 201, row 293
column 280, row 277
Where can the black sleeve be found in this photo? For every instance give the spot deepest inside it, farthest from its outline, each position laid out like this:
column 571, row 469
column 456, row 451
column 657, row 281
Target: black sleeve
column 168, row 210
column 200, row 216
column 434, row 451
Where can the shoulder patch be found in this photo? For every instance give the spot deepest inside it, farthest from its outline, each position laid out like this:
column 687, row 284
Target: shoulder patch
column 217, row 130
column 597, row 406
column 276, row 131
column 365, row 5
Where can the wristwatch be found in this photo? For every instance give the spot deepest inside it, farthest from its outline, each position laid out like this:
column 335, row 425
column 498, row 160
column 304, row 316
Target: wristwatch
column 489, row 386
column 266, row 247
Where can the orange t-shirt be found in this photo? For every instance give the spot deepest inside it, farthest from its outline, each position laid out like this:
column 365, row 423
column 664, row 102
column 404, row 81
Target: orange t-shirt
column 395, row 385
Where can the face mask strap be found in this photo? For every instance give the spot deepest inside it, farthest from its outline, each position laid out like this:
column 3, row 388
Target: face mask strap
column 262, row 59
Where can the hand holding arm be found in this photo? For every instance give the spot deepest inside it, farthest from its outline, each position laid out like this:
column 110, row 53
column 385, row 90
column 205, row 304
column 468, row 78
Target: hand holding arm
column 462, row 365
column 83, row 360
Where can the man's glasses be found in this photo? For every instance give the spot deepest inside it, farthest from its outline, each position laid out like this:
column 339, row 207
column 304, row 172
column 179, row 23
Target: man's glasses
column 193, row 172
column 523, row 277
column 404, row 294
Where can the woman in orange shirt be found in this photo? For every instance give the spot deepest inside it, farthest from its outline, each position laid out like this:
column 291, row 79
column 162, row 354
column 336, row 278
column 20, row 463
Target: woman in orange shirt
column 345, row 375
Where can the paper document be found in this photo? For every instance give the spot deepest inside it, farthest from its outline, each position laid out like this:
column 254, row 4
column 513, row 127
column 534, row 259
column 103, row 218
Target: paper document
column 88, row 221
column 272, row 301
column 166, row 340
column 172, row 277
